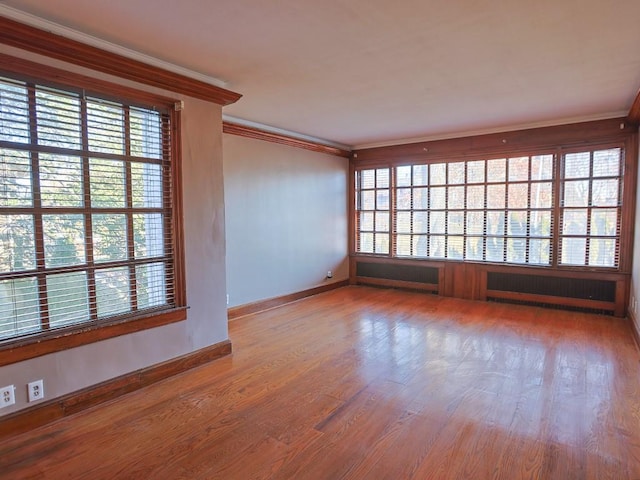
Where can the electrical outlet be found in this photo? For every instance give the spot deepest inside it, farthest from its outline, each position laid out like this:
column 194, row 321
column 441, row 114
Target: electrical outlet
column 35, row 390
column 7, row 396
column 329, row 274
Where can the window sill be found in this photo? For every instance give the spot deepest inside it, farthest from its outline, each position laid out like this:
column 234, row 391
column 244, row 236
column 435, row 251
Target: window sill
column 63, row 339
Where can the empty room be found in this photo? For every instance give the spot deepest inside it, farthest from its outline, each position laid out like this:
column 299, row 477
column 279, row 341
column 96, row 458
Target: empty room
column 319, row 240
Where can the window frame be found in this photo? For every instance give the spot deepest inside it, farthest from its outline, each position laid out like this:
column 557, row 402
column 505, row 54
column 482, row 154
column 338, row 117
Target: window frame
column 25, row 347
column 458, row 151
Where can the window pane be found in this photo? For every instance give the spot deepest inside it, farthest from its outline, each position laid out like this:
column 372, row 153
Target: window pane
column 495, row 249
column 541, row 195
column 438, row 173
column 14, row 112
column 382, row 178
column 573, row 251
column 366, row 243
column 474, row 248
column 61, row 180
column 366, row 221
column 475, row 172
column 475, row 197
column 382, row 221
column 403, row 245
column 436, row 246
column 146, row 183
column 64, row 240
column 67, row 298
column 420, row 246
column 382, row 199
column 539, row 251
column 403, row 176
column 604, row 222
column 455, row 223
column 19, row 307
column 382, row 243
column 420, row 222
column 517, row 224
column 110, row 237
column 495, row 196
column 456, row 198
column 17, row 241
column 475, row 223
column 456, row 173
column 606, row 163
column 420, row 175
column 148, row 235
column 368, row 200
column 107, row 183
column 540, row 224
column 421, row 198
column 146, row 133
column 455, row 247
column 495, row 223
column 112, row 291
column 576, row 193
column 574, row 222
column 518, row 169
column 438, row 198
column 542, row 167
column 105, row 126
column 15, row 178
column 58, row 119
column 496, row 170
column 367, row 179
column 602, row 252
column 403, row 199
column 151, row 285
column 605, row 193
column 437, row 223
column 516, row 250
column 518, row 196
column 576, row 165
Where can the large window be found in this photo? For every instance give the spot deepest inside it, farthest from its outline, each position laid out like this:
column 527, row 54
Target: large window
column 86, row 226
column 495, row 210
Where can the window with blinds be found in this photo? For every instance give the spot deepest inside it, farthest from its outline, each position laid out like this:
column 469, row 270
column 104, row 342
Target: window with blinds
column 499, row 210
column 85, row 210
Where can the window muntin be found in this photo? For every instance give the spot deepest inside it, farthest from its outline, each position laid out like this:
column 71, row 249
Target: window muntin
column 591, row 208
column 85, row 209
column 504, row 209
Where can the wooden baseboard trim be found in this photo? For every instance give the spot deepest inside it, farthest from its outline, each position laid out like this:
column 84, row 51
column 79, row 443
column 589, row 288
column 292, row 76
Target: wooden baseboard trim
column 57, row 408
column 262, row 305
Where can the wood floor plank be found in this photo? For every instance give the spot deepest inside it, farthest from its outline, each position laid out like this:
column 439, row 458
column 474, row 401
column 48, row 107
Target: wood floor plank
column 367, row 383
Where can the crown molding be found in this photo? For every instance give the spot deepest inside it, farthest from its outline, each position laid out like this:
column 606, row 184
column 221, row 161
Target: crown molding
column 50, row 43
column 248, row 129
column 490, row 131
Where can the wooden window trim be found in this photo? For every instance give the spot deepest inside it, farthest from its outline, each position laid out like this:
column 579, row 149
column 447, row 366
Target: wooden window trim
column 31, row 346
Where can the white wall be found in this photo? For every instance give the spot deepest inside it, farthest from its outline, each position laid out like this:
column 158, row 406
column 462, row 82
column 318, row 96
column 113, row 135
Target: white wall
column 206, row 324
column 286, row 211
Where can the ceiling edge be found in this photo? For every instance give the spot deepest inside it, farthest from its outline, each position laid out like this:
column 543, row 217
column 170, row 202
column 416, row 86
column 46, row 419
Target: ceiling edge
column 510, row 128
column 282, row 131
column 52, row 27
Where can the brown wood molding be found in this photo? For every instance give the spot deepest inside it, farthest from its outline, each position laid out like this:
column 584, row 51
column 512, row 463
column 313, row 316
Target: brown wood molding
column 261, row 305
column 258, row 134
column 49, row 44
column 634, row 112
column 54, row 409
column 519, row 141
column 552, row 300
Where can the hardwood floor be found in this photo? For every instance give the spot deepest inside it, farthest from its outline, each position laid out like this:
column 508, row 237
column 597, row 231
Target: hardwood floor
column 363, row 383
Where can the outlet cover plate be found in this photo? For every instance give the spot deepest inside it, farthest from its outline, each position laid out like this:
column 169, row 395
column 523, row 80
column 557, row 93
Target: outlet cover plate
column 7, row 396
column 35, row 390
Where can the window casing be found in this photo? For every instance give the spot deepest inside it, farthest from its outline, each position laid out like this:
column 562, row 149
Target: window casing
column 87, row 211
column 499, row 210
